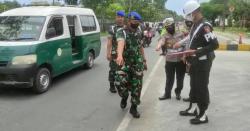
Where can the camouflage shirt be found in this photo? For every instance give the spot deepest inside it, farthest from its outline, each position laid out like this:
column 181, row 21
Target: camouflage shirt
column 112, row 33
column 131, row 54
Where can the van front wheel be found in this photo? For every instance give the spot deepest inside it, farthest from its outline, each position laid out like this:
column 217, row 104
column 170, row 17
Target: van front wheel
column 90, row 62
column 42, row 81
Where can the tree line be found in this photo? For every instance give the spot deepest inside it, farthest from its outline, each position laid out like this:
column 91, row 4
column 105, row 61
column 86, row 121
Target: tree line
column 236, row 12
column 151, row 10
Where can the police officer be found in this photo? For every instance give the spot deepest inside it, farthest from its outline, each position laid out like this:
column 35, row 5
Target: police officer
column 174, row 65
column 202, row 45
column 132, row 63
column 112, row 47
column 185, row 44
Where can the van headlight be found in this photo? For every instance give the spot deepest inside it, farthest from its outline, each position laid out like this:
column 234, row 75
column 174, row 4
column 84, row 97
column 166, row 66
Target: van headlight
column 24, row 60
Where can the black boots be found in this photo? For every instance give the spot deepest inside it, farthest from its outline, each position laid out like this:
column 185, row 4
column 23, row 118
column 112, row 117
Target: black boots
column 199, row 120
column 123, row 103
column 112, row 87
column 133, row 111
column 202, row 118
column 199, row 111
column 164, row 97
column 191, row 111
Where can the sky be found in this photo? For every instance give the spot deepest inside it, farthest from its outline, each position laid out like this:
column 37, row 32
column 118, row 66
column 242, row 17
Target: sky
column 175, row 5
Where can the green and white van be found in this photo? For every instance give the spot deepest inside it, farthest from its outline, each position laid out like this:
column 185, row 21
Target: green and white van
column 39, row 43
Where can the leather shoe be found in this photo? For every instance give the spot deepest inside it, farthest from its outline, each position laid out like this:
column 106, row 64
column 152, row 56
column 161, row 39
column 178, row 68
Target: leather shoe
column 197, row 121
column 164, row 97
column 186, row 113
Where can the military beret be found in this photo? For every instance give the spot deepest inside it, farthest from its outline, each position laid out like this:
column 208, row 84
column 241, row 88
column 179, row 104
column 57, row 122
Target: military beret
column 120, row 13
column 134, row 15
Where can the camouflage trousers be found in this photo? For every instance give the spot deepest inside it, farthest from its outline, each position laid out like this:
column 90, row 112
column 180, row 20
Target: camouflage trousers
column 128, row 79
column 112, row 70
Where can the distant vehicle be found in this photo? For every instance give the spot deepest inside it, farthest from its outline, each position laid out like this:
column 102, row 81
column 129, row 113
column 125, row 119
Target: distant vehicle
column 147, row 36
column 159, row 28
column 39, row 43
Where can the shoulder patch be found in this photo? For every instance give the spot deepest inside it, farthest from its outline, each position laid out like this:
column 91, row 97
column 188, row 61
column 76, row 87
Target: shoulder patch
column 207, row 28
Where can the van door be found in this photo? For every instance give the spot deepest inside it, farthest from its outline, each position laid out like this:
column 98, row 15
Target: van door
column 59, row 44
column 73, row 25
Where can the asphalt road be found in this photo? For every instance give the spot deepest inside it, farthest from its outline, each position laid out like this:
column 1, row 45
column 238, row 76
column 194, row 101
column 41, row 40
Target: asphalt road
column 80, row 101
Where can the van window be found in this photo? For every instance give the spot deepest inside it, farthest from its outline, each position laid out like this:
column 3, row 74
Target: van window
column 57, row 24
column 21, row 28
column 88, row 23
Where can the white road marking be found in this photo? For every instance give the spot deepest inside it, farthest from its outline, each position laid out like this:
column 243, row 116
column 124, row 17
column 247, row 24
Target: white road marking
column 127, row 118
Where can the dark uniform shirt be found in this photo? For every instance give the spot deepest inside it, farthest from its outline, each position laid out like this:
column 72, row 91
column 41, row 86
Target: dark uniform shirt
column 203, row 41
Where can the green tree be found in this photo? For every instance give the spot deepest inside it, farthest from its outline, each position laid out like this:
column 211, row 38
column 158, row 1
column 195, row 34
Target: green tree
column 212, row 11
column 6, row 5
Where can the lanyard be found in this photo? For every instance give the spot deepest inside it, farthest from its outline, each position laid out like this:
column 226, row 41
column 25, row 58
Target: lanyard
column 195, row 32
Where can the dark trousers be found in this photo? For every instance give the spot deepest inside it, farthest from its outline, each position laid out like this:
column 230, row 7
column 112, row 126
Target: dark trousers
column 172, row 68
column 199, row 79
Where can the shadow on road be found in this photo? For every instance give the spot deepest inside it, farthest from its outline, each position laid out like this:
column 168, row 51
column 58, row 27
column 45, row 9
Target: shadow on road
column 12, row 92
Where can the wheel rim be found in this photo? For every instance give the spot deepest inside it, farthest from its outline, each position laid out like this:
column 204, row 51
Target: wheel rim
column 44, row 80
column 91, row 60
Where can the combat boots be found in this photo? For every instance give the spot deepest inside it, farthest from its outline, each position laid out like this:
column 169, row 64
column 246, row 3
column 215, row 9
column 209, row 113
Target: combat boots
column 133, row 111
column 123, row 103
column 112, row 87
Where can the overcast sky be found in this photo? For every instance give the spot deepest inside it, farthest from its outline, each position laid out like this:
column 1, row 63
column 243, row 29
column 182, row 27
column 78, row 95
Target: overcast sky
column 175, row 5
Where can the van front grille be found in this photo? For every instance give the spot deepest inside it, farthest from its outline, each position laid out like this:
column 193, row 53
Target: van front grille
column 3, row 63
column 9, row 77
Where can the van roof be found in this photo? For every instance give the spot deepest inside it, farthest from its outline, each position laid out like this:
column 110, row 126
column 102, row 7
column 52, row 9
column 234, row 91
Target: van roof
column 46, row 11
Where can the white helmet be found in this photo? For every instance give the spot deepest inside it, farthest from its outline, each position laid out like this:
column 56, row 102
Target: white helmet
column 190, row 7
column 168, row 21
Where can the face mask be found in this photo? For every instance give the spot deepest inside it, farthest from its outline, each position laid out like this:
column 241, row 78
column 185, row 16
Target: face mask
column 171, row 29
column 189, row 17
column 189, row 23
column 134, row 26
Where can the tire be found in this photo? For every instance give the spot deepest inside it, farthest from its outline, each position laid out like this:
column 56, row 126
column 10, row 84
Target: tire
column 42, row 81
column 90, row 62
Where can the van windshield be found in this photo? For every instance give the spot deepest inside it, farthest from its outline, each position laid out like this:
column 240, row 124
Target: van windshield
column 21, row 28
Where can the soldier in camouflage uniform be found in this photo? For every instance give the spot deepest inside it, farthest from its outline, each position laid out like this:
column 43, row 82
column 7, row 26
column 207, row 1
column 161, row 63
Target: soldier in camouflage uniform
column 112, row 47
column 132, row 63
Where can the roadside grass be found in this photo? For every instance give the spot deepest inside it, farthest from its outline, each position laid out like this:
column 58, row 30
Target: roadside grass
column 234, row 30
column 104, row 34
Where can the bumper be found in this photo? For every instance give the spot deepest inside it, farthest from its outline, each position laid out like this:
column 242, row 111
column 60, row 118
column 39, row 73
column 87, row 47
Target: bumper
column 20, row 76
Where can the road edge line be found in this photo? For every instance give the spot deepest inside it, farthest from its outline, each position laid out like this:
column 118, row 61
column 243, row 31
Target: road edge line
column 126, row 120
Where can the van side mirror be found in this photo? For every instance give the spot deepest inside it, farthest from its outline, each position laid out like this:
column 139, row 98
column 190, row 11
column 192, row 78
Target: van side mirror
column 50, row 33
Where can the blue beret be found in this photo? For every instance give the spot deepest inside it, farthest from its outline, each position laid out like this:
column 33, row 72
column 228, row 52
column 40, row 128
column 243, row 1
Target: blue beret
column 134, row 15
column 120, row 13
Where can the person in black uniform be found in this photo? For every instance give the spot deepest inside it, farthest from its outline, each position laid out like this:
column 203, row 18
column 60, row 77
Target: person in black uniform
column 202, row 45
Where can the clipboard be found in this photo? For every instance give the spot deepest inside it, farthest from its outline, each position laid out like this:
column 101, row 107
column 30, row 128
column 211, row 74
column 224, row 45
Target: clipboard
column 181, row 53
